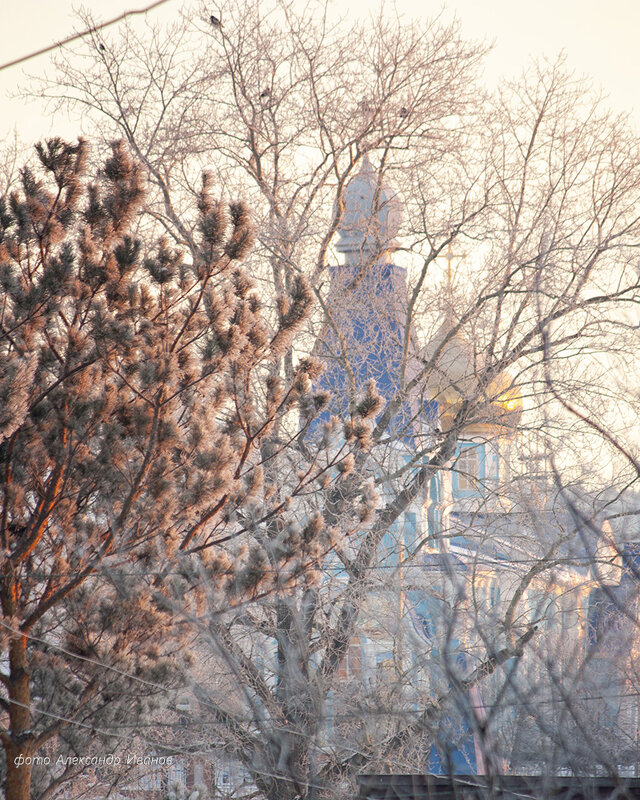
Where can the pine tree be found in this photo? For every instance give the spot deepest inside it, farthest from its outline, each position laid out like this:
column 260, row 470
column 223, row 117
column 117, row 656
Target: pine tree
column 136, row 392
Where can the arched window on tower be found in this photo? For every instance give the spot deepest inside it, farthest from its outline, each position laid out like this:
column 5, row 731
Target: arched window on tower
column 469, row 469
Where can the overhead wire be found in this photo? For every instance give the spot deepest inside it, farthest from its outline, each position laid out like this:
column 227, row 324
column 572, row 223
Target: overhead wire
column 564, row 561
column 116, row 731
column 74, row 37
column 360, row 714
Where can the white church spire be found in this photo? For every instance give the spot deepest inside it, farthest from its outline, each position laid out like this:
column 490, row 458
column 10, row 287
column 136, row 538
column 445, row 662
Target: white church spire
column 371, row 218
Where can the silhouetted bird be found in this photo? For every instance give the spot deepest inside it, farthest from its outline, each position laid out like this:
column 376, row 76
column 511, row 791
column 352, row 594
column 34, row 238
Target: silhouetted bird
column 102, row 47
column 404, row 112
column 215, row 21
column 265, row 93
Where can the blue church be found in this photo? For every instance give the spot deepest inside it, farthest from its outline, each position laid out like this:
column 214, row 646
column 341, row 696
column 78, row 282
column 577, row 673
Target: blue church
column 452, row 562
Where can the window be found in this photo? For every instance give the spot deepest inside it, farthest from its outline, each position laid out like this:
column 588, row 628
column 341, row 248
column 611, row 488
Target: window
column 410, row 529
column 389, row 548
column 351, row 665
column 433, row 509
column 467, row 466
column 492, row 464
column 494, row 594
column 468, row 469
column 178, row 772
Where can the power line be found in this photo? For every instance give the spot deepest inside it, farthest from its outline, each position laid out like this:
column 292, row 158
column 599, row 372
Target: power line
column 362, row 713
column 94, row 729
column 116, row 731
column 81, row 35
column 107, row 667
column 94, row 661
column 471, row 558
column 531, row 691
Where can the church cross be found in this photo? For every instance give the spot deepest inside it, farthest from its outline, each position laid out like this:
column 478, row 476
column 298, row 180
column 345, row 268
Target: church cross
column 449, row 256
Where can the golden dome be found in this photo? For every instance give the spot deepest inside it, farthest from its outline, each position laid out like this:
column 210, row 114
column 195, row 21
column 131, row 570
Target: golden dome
column 456, row 375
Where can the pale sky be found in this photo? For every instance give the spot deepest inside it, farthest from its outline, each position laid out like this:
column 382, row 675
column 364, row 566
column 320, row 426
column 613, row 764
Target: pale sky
column 599, row 38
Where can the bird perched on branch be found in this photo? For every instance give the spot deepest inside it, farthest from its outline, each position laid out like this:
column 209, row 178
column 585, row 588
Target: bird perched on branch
column 215, row 21
column 265, row 93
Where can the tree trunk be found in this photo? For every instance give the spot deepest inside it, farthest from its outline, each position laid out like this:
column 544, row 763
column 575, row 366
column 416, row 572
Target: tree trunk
column 18, row 784
column 19, row 748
